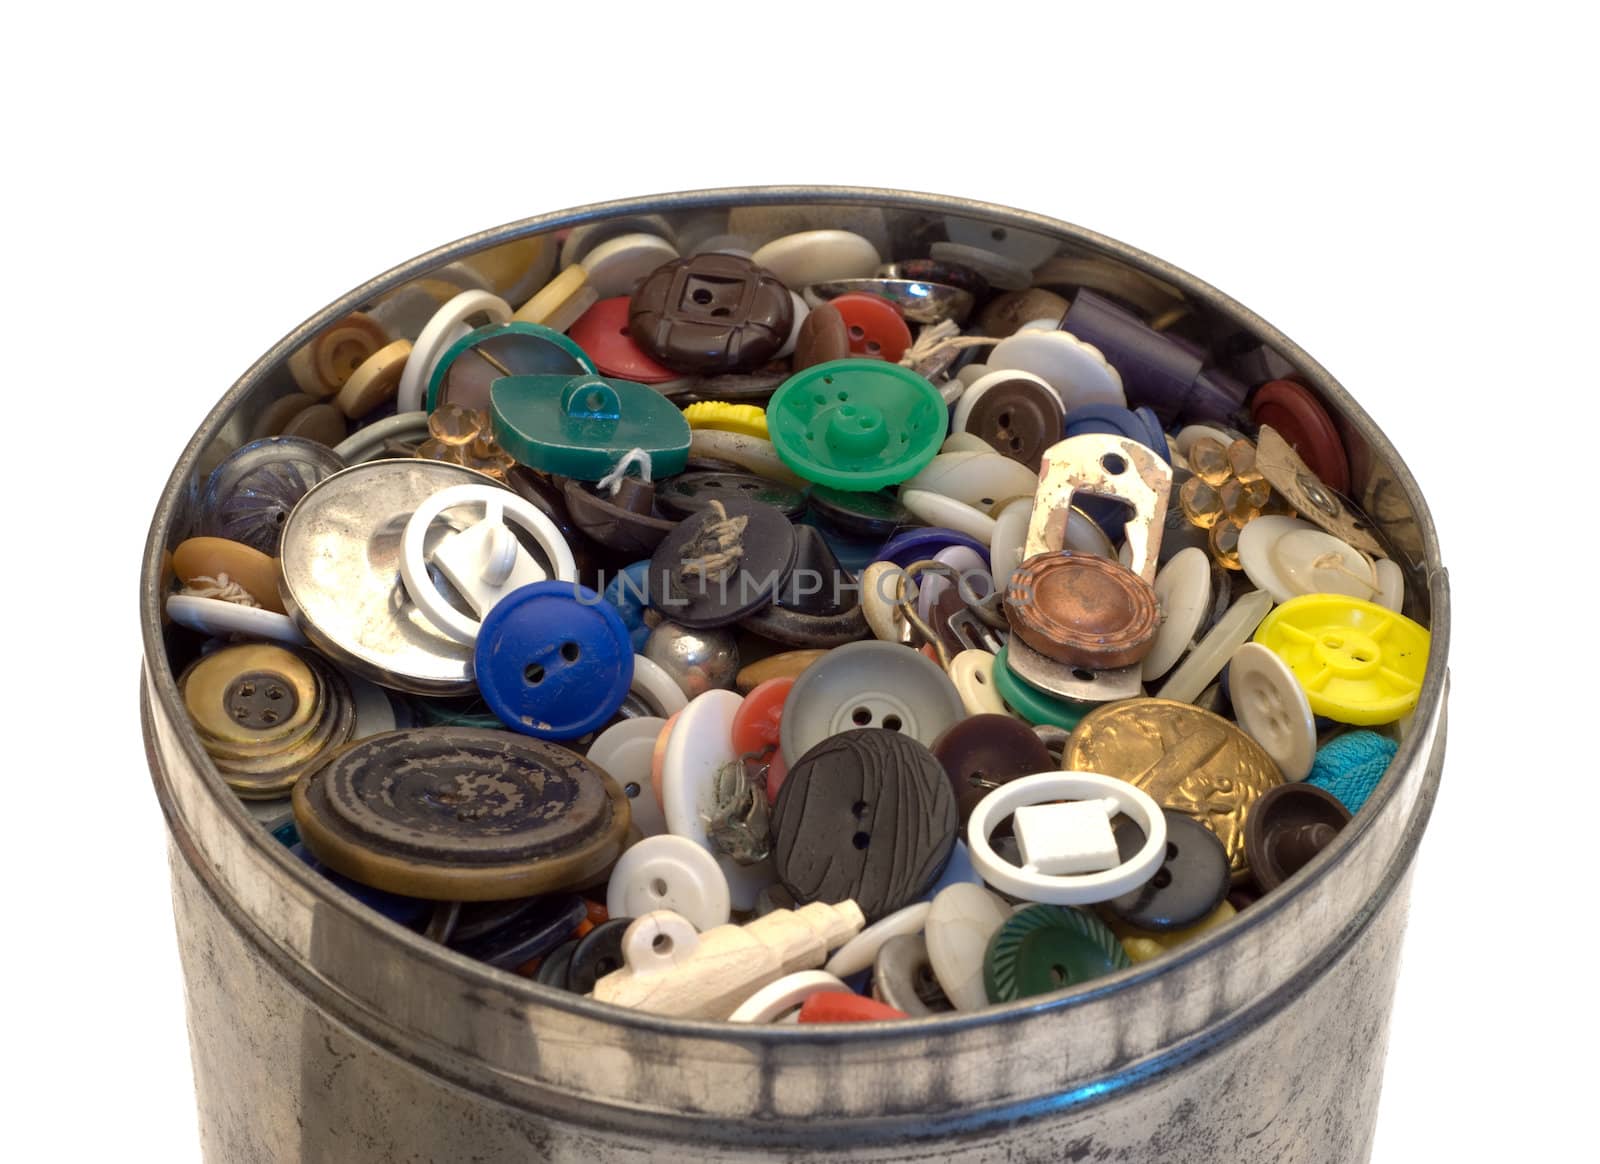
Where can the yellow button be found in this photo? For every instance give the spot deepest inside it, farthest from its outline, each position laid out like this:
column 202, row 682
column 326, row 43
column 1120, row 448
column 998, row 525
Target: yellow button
column 745, row 419
column 1142, row 945
column 1359, row 662
column 558, row 305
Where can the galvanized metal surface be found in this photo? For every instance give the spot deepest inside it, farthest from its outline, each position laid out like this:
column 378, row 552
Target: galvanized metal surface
column 322, row 1032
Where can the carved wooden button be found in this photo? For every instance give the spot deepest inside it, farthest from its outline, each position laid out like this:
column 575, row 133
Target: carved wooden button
column 1083, row 610
column 711, row 313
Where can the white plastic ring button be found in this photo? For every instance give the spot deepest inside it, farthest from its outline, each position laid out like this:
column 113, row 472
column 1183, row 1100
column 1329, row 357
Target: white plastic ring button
column 818, row 256
column 616, row 266
column 698, row 747
column 624, row 751
column 1068, row 852
column 973, row 674
column 484, row 562
column 1212, row 653
column 1076, row 370
column 214, row 616
column 861, row 951
column 1271, row 705
column 1288, row 557
column 1183, row 591
column 448, row 325
column 776, row 999
column 961, row 920
column 665, row 872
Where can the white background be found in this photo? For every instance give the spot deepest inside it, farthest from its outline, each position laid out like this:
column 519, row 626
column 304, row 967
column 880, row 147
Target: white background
column 1407, row 194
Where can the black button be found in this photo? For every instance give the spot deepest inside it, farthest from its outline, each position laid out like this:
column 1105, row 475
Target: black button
column 715, row 568
column 1192, row 880
column 599, row 952
column 539, row 926
column 689, row 493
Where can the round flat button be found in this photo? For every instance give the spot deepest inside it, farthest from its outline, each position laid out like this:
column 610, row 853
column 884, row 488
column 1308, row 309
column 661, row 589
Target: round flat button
column 1033, row 705
column 249, row 496
column 712, row 313
column 599, row 952
column 903, row 977
column 861, row 951
column 322, row 423
column 1183, row 595
column 865, row 815
column 376, row 381
column 1358, row 662
column 985, row 751
column 216, row 558
column 553, row 660
column 326, row 363
column 817, row 256
column 604, row 335
column 1017, row 414
column 1045, row 948
column 623, row 752
column 553, row 966
column 960, row 923
column 462, row 814
column 1270, row 704
column 972, row 672
column 464, row 373
column 1298, row 416
column 938, row 510
column 840, row 1006
column 617, row 266
column 1082, row 610
column 1287, row 828
column 715, row 568
column 868, row 684
column 690, row 493
column 1192, row 881
column 1288, row 557
column 1076, row 370
column 535, row 928
column 859, row 515
column 669, row 872
column 874, row 327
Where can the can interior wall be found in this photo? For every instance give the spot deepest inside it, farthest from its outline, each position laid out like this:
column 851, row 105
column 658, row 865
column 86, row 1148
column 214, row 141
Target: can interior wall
column 321, row 1030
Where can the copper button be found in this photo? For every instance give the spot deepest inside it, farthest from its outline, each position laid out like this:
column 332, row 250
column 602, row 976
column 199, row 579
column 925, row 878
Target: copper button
column 1083, row 610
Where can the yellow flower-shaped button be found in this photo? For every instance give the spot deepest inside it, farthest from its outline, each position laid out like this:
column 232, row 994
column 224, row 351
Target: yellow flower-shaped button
column 1358, row 662
column 746, row 419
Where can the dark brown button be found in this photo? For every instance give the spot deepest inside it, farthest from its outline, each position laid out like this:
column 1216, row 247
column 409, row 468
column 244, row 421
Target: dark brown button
column 1011, row 309
column 545, row 494
column 1083, row 610
column 1192, row 881
column 711, row 313
column 625, row 522
column 982, row 752
column 1018, row 418
column 1287, row 827
column 866, row 815
column 823, row 336
column 689, row 493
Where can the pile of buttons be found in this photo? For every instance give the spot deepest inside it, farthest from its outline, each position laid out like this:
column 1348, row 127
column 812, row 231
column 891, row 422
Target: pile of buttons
column 776, row 629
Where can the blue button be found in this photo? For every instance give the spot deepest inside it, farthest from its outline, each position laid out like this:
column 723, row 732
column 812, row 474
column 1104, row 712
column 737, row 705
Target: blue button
column 405, row 910
column 554, row 660
column 1136, row 424
column 924, row 542
column 629, row 592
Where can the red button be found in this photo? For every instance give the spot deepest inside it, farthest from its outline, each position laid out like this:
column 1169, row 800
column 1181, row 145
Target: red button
column 1300, row 419
column 755, row 728
column 837, row 1007
column 602, row 332
column 874, row 325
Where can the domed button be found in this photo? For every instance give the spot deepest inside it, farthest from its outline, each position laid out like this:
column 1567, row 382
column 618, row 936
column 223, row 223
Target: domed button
column 711, row 313
column 1192, row 881
column 982, row 752
column 462, row 814
column 864, row 815
column 1044, row 948
column 598, row 953
column 1082, row 610
column 1287, row 827
column 249, row 496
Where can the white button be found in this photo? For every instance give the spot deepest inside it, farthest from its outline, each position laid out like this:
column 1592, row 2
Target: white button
column 667, row 872
column 973, row 674
column 776, row 999
column 861, row 951
column 657, row 688
column 700, row 743
column 215, row 616
column 965, row 442
column 624, row 751
column 962, row 919
column 1072, row 837
column 980, row 479
column 1076, row 370
column 980, row 387
column 1288, row 557
column 818, row 256
column 1212, row 653
column 1183, row 591
column 1022, row 247
column 801, row 310
column 1010, row 531
column 1391, row 584
column 616, row 267
column 1270, row 704
column 938, row 510
column 448, row 325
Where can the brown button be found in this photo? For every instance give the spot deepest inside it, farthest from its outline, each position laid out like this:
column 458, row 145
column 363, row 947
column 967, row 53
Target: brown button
column 1011, row 309
column 786, row 665
column 1083, row 610
column 1018, row 418
column 322, row 423
column 625, row 522
column 211, row 558
column 824, row 336
column 1287, row 827
column 1299, row 417
column 711, row 313
column 982, row 752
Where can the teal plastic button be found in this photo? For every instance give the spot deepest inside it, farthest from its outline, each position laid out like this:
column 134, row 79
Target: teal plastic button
column 582, row 426
column 1033, row 705
column 471, row 365
column 857, row 425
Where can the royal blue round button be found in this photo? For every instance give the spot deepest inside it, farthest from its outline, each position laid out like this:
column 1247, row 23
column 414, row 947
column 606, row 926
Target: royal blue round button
column 553, row 660
column 629, row 593
column 1136, row 424
column 913, row 545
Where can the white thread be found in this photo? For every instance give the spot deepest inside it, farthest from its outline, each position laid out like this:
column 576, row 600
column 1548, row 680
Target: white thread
column 613, row 480
column 222, row 587
column 940, row 337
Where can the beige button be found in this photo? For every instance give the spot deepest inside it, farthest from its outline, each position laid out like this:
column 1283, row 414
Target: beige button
column 246, row 565
column 786, row 665
column 279, row 413
column 376, row 381
column 322, row 423
column 559, row 303
column 322, row 366
column 973, row 674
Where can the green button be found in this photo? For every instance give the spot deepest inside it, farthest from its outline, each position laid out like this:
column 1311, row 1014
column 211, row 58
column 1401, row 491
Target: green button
column 857, row 425
column 1032, row 704
column 1049, row 947
column 507, row 349
column 581, row 426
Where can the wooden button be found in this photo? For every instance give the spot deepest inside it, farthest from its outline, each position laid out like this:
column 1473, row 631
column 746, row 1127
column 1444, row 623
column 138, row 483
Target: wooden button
column 213, row 557
column 375, row 382
column 865, row 815
column 325, row 364
column 824, row 336
column 1083, row 610
column 710, row 314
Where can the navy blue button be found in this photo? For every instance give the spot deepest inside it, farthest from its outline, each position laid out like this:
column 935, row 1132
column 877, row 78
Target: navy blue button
column 536, row 926
column 1140, row 425
column 913, row 545
column 553, row 660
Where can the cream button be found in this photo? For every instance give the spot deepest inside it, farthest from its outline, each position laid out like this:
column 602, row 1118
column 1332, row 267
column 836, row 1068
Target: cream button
column 817, row 256
column 668, row 872
column 1270, row 704
column 1183, row 591
column 449, row 323
column 973, row 674
column 624, row 751
column 962, row 919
